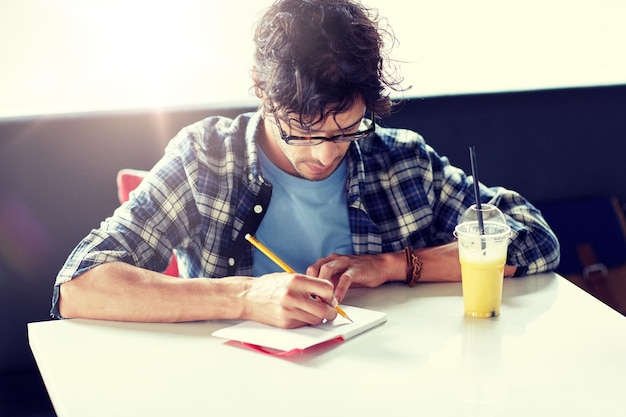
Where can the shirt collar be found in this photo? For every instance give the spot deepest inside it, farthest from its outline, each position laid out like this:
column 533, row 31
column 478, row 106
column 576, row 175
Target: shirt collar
column 253, row 132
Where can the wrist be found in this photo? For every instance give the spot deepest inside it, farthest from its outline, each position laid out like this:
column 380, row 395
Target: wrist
column 413, row 266
column 441, row 263
column 235, row 293
column 390, row 266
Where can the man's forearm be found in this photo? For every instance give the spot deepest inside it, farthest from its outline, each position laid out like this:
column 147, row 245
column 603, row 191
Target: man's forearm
column 119, row 291
column 441, row 263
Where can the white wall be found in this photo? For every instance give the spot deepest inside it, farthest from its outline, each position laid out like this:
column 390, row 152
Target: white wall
column 66, row 56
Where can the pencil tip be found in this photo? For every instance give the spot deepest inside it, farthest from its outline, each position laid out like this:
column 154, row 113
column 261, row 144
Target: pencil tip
column 343, row 314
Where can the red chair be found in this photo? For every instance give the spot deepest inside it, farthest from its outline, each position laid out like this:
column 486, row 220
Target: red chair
column 128, row 180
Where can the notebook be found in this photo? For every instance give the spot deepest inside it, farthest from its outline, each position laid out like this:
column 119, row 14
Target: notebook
column 287, row 340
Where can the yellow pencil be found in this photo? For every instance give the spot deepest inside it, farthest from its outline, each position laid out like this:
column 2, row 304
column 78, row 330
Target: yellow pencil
column 283, row 265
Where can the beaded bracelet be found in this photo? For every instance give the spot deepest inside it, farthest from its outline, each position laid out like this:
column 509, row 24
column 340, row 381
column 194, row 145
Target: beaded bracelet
column 414, row 267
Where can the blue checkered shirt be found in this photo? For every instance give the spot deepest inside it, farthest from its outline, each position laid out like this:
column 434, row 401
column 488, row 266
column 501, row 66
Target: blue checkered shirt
column 207, row 191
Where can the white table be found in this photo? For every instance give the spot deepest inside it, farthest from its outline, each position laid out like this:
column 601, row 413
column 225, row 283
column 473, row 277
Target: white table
column 554, row 351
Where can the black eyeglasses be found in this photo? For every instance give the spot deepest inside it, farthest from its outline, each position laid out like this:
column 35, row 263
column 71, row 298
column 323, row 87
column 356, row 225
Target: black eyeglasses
column 316, row 140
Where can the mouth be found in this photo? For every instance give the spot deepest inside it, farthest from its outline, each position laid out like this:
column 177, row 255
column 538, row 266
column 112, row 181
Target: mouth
column 313, row 170
column 318, row 170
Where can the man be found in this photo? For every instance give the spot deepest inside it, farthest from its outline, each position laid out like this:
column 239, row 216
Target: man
column 342, row 200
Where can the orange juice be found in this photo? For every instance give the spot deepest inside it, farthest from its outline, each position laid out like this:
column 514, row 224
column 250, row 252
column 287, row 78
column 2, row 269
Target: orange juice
column 483, row 236
column 482, row 285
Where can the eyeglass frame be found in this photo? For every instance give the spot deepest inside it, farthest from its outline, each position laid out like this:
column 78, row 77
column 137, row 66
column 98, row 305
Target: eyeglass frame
column 317, row 140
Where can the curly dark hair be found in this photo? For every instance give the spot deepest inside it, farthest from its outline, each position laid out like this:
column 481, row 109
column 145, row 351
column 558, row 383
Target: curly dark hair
column 318, row 57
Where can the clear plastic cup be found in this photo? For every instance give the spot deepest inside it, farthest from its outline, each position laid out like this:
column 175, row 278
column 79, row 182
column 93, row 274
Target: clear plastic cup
column 482, row 252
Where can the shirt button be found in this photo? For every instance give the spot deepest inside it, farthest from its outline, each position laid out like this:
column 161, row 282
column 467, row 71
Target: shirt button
column 231, row 261
column 258, row 209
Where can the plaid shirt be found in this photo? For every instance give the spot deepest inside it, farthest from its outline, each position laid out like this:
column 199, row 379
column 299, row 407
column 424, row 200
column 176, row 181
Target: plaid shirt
column 207, row 192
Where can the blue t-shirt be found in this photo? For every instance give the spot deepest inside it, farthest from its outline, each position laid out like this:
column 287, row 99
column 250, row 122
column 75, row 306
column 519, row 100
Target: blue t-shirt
column 306, row 220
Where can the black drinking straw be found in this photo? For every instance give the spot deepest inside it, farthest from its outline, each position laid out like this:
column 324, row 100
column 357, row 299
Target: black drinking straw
column 481, row 225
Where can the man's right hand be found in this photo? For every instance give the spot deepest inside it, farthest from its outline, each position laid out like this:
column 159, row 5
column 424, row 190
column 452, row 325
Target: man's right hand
column 289, row 300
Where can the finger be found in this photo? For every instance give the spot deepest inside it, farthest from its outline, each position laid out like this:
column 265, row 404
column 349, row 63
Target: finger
column 329, row 310
column 316, row 311
column 331, row 314
column 327, row 297
column 314, row 270
column 301, row 312
column 343, row 285
column 315, row 298
column 332, row 268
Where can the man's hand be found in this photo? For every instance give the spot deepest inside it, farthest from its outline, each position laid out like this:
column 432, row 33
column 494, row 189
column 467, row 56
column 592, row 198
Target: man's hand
column 344, row 271
column 289, row 300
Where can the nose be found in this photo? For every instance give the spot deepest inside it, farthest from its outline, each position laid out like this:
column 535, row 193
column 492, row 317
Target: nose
column 325, row 152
